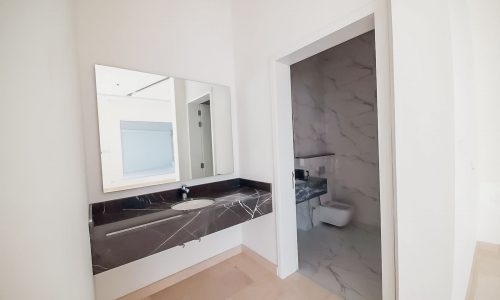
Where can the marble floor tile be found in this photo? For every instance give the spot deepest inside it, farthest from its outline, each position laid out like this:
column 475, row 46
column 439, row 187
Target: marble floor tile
column 346, row 261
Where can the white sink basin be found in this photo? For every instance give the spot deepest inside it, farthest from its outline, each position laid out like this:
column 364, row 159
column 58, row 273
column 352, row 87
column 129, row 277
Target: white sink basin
column 193, row 204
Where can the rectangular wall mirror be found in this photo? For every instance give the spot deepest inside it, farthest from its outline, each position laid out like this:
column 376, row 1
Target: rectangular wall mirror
column 157, row 129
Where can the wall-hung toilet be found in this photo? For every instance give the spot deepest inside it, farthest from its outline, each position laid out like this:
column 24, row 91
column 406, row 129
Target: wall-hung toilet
column 334, row 213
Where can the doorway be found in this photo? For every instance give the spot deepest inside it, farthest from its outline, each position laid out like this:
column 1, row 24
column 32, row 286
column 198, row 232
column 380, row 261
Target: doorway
column 334, row 107
column 284, row 164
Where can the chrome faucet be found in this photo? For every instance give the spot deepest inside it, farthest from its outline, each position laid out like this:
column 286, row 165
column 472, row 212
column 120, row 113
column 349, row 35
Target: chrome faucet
column 184, row 191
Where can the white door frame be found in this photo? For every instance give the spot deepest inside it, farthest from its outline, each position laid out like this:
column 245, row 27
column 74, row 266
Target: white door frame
column 359, row 22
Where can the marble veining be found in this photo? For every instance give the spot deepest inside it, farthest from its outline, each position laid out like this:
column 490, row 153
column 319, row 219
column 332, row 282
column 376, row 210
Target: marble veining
column 335, row 111
column 156, row 227
column 307, row 195
column 311, row 188
column 345, row 261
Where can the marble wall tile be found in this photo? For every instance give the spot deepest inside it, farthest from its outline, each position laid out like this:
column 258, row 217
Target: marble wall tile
column 345, row 261
column 308, row 109
column 335, row 110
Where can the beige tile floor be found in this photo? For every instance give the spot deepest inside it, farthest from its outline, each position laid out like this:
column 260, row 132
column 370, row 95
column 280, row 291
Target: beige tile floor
column 240, row 278
column 485, row 277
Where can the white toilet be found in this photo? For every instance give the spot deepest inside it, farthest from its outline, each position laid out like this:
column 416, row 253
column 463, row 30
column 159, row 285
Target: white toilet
column 334, row 213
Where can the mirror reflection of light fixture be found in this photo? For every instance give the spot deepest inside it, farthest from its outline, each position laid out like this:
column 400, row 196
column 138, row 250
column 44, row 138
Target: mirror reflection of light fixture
column 147, row 86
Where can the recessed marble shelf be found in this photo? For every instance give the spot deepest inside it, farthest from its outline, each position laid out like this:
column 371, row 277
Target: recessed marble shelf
column 314, row 155
column 129, row 229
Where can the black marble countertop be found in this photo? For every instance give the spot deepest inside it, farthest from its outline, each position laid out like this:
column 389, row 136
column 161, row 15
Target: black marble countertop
column 129, row 229
column 311, row 188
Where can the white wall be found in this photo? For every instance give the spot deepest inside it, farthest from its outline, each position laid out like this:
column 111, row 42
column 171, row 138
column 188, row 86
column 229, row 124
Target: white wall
column 424, row 147
column 261, row 30
column 485, row 27
column 185, row 39
column 475, row 30
column 474, row 183
column 45, row 249
column 465, row 139
column 182, row 38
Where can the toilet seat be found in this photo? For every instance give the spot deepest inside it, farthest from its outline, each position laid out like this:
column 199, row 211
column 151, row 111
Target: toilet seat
column 334, row 213
column 338, row 205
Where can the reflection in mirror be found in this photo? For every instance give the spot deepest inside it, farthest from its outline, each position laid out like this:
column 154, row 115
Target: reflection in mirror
column 158, row 129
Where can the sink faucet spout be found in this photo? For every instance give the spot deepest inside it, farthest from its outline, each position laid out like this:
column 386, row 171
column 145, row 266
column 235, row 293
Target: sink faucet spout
column 185, row 191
